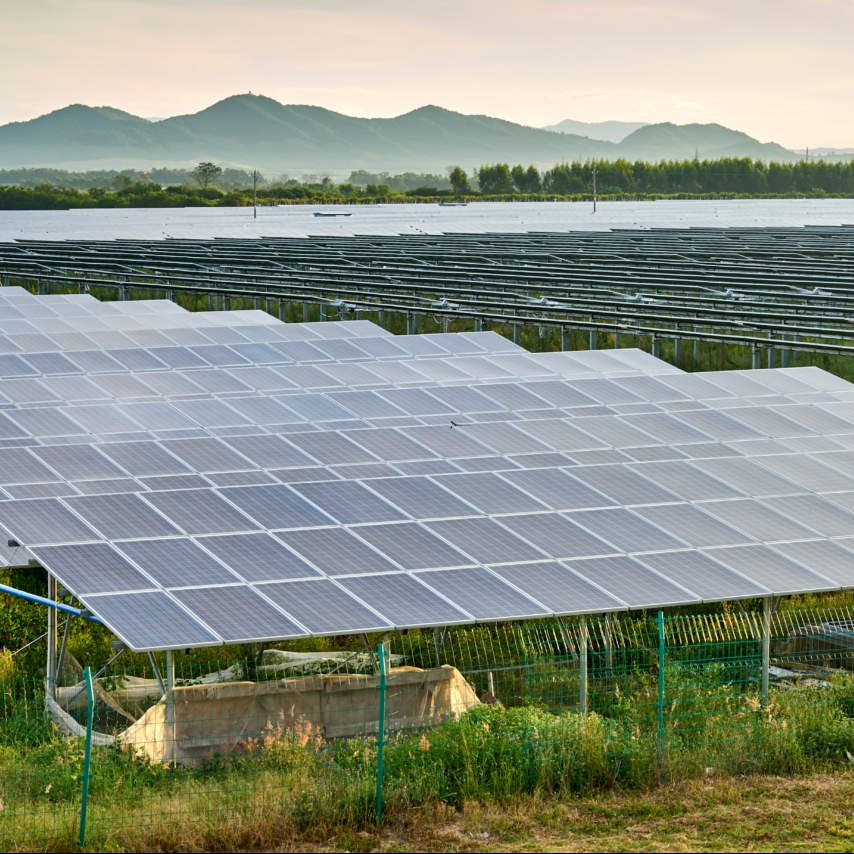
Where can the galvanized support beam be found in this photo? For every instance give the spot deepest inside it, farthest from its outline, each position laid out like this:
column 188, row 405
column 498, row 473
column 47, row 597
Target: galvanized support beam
column 655, row 346
column 756, row 358
column 677, row 348
column 564, row 338
column 517, row 333
column 592, row 339
column 171, row 729
column 52, row 627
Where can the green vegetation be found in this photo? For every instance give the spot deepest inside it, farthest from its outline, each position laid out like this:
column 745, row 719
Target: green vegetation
column 291, row 785
column 209, row 185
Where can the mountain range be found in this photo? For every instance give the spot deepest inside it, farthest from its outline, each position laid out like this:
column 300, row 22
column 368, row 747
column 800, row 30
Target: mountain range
column 256, row 131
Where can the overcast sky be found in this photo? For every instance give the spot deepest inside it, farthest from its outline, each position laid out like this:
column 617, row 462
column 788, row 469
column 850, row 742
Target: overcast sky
column 778, row 69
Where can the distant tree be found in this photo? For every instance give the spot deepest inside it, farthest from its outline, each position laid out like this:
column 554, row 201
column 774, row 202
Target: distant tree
column 459, row 181
column 206, row 173
column 495, row 180
column 526, row 180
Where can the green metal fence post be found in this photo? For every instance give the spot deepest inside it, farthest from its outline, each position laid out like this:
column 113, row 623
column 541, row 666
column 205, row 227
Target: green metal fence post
column 582, row 667
column 381, row 653
column 766, row 648
column 87, row 753
column 660, row 704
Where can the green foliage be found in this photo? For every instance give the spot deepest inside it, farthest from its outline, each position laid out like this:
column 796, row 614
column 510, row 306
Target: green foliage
column 206, row 173
column 208, row 184
column 459, row 181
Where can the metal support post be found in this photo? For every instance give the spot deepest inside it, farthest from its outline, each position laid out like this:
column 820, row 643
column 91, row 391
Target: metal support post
column 766, row 648
column 695, row 355
column 305, row 313
column 771, row 354
column 324, row 312
column 756, row 361
column 582, row 667
column 517, row 333
column 478, row 324
column 655, row 347
column 564, row 338
column 170, row 708
column 677, row 351
column 52, row 626
column 592, row 339
column 617, row 337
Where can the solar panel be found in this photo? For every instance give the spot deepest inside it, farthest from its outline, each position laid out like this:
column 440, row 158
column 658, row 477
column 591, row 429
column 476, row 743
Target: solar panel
column 403, row 601
column 238, row 613
column 630, row 582
column 323, row 607
column 177, row 562
column 150, row 620
column 482, row 594
column 558, row 588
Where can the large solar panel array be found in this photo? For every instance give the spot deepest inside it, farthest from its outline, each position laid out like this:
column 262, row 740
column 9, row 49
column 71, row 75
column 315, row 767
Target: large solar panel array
column 221, row 477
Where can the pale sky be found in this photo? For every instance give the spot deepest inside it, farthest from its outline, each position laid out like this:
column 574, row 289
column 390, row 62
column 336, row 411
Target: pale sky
column 779, row 70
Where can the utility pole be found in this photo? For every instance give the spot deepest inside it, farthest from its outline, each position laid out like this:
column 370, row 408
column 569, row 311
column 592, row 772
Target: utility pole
column 254, row 194
column 594, row 189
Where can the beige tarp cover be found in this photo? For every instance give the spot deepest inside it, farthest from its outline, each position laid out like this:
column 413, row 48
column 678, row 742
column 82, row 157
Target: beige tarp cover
column 221, row 718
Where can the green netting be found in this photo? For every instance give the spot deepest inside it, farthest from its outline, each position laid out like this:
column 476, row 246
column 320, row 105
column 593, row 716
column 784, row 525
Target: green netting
column 248, row 748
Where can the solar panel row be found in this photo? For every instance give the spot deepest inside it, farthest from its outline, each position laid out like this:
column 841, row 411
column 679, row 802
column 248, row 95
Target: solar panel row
column 200, row 501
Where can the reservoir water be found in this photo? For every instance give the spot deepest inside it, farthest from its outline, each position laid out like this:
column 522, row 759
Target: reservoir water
column 477, row 217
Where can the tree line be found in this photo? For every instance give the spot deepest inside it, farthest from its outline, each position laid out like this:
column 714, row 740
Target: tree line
column 209, row 184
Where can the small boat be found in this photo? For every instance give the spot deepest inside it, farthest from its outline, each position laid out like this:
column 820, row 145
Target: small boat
column 329, row 213
column 453, row 204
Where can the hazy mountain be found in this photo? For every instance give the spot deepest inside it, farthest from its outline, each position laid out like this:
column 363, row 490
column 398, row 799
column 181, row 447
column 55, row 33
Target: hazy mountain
column 254, row 131
column 257, row 131
column 709, row 142
column 608, row 131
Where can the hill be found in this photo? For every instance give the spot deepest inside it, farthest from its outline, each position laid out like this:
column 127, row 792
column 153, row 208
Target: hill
column 709, row 141
column 607, row 131
column 258, row 131
column 255, row 131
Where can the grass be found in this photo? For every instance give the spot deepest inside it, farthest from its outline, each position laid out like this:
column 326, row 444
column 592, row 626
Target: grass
column 521, row 775
column 745, row 813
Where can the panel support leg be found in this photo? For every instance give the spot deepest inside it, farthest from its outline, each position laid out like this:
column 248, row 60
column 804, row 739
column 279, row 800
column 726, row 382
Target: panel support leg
column 52, row 626
column 171, row 751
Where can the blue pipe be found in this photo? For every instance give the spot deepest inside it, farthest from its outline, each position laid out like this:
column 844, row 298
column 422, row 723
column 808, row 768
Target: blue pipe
column 50, row 603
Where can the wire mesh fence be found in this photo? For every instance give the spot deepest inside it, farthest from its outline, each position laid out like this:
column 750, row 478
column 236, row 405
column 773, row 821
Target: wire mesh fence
column 260, row 747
